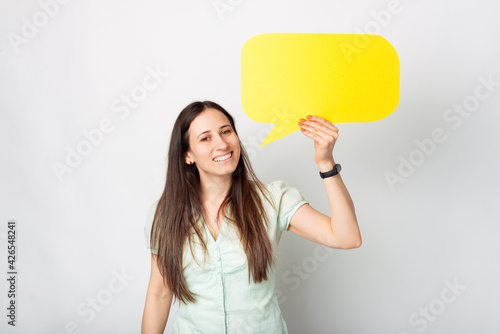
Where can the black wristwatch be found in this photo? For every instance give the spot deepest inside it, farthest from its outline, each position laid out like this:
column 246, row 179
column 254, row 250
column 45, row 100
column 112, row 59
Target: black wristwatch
column 336, row 169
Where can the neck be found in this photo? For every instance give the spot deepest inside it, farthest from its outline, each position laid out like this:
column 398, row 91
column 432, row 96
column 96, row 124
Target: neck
column 214, row 190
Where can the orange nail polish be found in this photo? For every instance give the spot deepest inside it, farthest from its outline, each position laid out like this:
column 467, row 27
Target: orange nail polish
column 308, row 116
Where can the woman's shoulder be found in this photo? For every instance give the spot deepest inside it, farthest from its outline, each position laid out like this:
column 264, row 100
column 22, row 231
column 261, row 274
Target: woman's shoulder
column 153, row 207
column 286, row 199
column 278, row 184
column 272, row 184
column 279, row 188
column 282, row 189
column 269, row 188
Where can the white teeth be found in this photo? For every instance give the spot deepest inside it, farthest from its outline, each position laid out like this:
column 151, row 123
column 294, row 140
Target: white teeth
column 224, row 157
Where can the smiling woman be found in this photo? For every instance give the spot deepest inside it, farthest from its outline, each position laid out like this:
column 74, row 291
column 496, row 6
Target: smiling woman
column 214, row 232
column 214, row 146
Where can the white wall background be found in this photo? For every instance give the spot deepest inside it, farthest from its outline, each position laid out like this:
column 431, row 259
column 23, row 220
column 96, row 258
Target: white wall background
column 76, row 234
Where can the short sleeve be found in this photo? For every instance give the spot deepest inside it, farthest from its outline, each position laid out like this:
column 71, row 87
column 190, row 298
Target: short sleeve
column 148, row 226
column 287, row 200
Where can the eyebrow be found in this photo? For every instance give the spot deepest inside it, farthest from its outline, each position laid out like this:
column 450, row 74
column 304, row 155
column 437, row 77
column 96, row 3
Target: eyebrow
column 224, row 126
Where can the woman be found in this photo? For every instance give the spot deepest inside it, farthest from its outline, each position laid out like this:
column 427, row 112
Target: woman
column 214, row 232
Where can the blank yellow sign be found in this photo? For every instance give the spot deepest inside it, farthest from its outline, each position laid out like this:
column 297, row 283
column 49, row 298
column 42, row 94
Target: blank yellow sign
column 341, row 77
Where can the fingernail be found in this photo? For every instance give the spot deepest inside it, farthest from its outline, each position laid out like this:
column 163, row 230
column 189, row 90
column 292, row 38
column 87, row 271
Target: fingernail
column 308, row 116
column 302, row 120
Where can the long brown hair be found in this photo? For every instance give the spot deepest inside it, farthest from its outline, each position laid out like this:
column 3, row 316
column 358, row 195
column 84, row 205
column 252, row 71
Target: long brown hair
column 179, row 209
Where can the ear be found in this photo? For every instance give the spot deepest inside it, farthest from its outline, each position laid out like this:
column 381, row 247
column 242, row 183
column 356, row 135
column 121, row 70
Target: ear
column 189, row 160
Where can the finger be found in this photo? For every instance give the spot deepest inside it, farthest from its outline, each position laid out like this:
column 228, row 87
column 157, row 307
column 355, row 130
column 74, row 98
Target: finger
column 319, row 129
column 319, row 142
column 321, row 120
column 311, row 135
column 322, row 125
column 319, row 136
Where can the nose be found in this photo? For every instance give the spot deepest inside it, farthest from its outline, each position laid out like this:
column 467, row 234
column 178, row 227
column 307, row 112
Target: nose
column 221, row 143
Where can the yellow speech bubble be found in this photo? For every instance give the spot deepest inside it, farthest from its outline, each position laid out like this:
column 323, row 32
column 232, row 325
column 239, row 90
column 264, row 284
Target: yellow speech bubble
column 340, row 77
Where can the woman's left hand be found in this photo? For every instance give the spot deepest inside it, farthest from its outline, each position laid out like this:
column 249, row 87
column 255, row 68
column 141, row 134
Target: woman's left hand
column 325, row 135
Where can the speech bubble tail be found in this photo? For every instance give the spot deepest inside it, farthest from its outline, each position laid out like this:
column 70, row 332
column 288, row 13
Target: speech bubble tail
column 279, row 131
column 266, row 140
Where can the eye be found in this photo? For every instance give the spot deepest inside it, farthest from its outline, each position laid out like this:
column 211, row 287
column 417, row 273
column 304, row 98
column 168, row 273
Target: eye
column 225, row 132
column 205, row 138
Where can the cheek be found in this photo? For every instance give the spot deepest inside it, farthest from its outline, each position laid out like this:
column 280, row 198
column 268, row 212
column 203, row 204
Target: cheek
column 236, row 141
column 196, row 153
column 238, row 149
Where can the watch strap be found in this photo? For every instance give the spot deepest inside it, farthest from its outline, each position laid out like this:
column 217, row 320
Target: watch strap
column 333, row 172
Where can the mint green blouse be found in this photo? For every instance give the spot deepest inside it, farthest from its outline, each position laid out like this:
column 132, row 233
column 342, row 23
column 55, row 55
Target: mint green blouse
column 225, row 301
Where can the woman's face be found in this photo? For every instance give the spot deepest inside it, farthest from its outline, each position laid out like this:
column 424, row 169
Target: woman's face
column 214, row 146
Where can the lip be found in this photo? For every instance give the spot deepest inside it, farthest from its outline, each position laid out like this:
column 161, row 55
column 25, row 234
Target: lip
column 221, row 155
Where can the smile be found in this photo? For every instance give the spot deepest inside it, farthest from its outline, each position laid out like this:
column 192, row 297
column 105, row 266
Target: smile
column 222, row 158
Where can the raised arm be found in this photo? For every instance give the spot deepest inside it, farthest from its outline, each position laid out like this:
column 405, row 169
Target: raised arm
column 158, row 301
column 341, row 229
